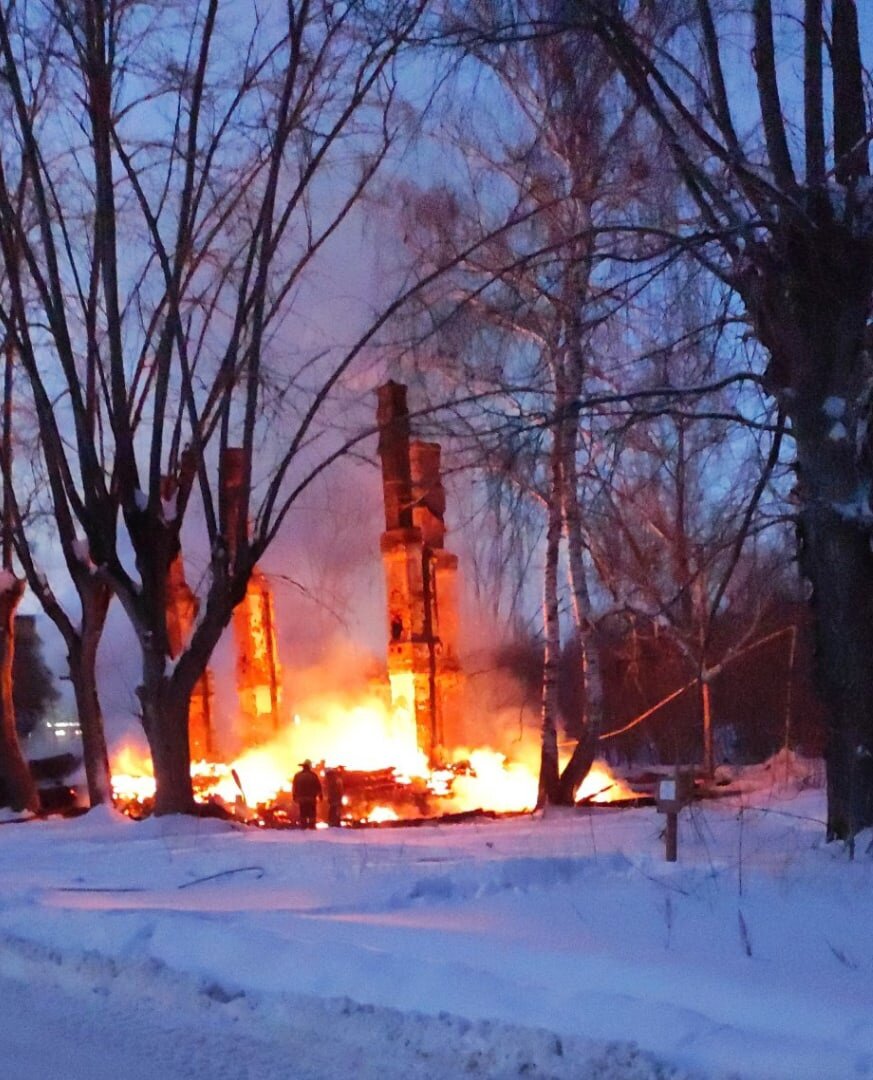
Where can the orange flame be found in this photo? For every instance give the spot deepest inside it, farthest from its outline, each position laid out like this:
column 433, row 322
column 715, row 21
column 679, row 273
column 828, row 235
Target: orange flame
column 133, row 778
column 367, row 736
column 600, row 786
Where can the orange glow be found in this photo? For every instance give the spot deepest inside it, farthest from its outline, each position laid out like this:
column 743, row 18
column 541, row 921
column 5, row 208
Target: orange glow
column 366, row 734
column 601, row 786
column 133, row 779
column 261, row 778
column 263, row 700
column 375, row 743
column 368, row 737
column 402, row 685
column 492, row 783
column 258, row 672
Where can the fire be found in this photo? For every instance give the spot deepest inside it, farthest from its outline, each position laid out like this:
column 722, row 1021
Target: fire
column 362, row 736
column 386, row 776
column 256, row 777
column 365, row 735
column 133, row 778
column 362, row 739
column 601, row 786
column 493, row 783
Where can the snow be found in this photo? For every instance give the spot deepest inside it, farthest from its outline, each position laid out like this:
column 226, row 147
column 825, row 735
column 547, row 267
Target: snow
column 834, row 407
column 854, row 206
column 82, row 550
column 8, row 581
column 556, row 946
column 858, row 508
column 169, row 508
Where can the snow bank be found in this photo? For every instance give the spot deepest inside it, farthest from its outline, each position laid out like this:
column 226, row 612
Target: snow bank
column 241, row 1033
column 561, row 945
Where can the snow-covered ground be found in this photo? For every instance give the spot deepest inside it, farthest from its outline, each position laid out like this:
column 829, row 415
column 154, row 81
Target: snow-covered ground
column 556, row 946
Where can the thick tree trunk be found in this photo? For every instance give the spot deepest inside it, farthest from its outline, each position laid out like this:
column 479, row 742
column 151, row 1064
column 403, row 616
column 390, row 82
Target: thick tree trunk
column 94, row 752
column 17, row 788
column 835, row 556
column 82, row 644
column 83, row 663
column 813, row 322
column 166, row 694
column 165, row 720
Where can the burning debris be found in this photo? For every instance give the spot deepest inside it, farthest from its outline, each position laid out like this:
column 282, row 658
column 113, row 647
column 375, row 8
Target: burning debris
column 256, row 788
column 600, row 786
column 393, row 753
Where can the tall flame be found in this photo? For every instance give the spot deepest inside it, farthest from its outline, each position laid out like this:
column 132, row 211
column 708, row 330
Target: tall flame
column 367, row 736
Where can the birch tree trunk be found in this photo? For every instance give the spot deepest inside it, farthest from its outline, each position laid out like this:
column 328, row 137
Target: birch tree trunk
column 585, row 750
column 549, row 777
column 804, row 269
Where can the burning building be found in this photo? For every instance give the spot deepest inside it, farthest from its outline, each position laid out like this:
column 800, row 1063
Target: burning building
column 407, row 760
column 258, row 672
column 403, row 760
column 421, row 580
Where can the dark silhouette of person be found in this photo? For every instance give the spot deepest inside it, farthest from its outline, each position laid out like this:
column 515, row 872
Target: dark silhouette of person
column 306, row 791
column 333, row 790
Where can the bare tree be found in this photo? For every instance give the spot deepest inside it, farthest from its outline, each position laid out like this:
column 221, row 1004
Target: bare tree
column 81, row 636
column 30, row 520
column 541, row 185
column 689, row 486
column 196, row 166
column 788, row 224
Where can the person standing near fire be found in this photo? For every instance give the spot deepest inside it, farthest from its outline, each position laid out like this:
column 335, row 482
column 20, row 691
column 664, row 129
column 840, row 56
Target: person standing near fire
column 333, row 787
column 306, row 791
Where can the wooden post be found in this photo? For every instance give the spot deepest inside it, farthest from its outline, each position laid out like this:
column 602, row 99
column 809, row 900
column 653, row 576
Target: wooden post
column 672, row 835
column 671, row 795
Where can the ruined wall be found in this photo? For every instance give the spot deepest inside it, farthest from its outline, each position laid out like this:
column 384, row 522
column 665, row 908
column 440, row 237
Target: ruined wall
column 258, row 672
column 421, row 580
